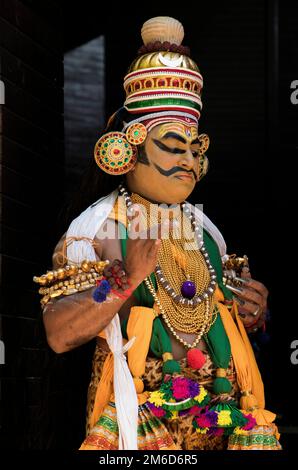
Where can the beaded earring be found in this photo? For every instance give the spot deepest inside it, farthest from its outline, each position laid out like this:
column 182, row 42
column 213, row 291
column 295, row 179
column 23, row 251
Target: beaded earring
column 204, row 166
column 116, row 152
column 203, row 159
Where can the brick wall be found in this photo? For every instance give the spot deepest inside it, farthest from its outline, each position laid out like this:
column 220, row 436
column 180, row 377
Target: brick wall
column 43, row 395
column 84, row 106
column 31, row 171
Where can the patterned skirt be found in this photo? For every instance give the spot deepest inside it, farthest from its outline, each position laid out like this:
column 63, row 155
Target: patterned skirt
column 159, row 434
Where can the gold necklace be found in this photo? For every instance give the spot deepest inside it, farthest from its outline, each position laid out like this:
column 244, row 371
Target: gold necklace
column 180, row 259
column 151, row 289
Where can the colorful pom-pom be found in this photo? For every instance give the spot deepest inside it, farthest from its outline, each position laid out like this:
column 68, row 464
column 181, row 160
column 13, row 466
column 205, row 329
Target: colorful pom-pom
column 104, row 286
column 251, row 422
column 101, row 291
column 195, row 358
column 99, row 296
column 171, row 367
column 221, row 385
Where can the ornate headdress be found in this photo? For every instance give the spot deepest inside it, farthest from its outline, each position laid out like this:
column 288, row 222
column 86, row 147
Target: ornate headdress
column 163, row 84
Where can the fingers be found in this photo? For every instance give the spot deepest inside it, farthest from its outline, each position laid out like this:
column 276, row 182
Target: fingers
column 249, row 295
column 251, row 309
column 253, row 327
column 245, row 273
column 247, row 320
column 251, row 314
column 257, row 286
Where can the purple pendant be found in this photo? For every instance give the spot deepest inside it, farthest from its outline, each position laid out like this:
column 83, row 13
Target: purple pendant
column 188, row 289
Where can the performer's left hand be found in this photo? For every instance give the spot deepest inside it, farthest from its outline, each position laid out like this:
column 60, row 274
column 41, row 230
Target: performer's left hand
column 252, row 302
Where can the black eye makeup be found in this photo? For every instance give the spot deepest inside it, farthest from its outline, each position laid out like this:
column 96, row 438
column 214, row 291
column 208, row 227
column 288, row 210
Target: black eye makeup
column 165, row 148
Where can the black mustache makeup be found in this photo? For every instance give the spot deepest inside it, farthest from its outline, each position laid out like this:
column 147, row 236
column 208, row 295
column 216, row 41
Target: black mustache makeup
column 173, row 170
column 143, row 158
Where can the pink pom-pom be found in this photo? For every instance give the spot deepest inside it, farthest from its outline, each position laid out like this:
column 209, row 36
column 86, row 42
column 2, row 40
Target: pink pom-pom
column 195, row 358
column 250, row 424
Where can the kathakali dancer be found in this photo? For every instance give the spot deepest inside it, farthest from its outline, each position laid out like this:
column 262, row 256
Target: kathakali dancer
column 147, row 274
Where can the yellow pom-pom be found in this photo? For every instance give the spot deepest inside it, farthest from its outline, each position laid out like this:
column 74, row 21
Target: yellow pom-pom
column 156, row 398
column 202, row 430
column 224, row 418
column 200, row 397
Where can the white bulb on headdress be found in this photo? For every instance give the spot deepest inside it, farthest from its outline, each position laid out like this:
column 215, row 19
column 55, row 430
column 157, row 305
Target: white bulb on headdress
column 162, row 28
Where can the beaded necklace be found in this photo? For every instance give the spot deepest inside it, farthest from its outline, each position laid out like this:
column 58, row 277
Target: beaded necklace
column 185, row 278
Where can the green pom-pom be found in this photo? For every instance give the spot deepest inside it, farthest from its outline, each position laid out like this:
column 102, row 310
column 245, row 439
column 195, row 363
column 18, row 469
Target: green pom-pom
column 221, row 385
column 171, row 367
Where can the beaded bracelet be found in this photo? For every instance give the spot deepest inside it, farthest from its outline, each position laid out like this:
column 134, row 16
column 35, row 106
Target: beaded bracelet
column 116, row 275
column 115, row 281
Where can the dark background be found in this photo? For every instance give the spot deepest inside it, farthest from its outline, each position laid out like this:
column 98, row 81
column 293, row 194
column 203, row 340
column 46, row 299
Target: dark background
column 248, row 55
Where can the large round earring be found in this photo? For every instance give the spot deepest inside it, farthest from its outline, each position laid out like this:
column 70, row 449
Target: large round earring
column 114, row 154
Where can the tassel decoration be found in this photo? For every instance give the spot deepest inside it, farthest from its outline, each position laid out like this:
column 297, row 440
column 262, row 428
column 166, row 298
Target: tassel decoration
column 139, row 384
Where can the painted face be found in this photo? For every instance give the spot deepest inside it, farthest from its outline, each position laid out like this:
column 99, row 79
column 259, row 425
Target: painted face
column 168, row 164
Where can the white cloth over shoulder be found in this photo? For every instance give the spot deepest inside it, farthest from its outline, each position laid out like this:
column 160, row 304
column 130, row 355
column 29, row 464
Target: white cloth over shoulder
column 126, row 401
column 124, row 389
column 87, row 225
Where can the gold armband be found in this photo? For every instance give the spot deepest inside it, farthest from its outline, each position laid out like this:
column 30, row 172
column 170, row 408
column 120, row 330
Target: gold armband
column 69, row 280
